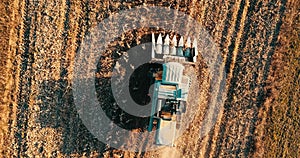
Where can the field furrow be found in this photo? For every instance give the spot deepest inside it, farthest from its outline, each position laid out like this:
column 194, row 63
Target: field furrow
column 236, row 33
column 258, row 44
column 245, row 99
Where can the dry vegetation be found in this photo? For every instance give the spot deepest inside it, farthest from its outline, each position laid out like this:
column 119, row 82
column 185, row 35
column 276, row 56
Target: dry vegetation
column 259, row 42
column 283, row 116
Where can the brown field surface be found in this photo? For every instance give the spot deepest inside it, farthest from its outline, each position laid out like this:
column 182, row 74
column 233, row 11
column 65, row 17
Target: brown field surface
column 259, row 41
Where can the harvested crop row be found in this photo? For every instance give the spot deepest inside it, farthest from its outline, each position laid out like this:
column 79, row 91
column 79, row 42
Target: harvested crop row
column 45, row 37
column 247, row 94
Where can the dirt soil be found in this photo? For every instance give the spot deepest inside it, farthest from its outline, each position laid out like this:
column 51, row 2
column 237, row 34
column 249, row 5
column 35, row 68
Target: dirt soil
column 259, row 43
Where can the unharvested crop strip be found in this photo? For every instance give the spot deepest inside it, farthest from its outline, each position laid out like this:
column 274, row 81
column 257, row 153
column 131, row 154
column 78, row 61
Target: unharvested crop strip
column 238, row 148
column 28, row 150
column 233, row 82
column 7, row 80
column 261, row 96
column 248, row 146
column 253, row 117
column 206, row 12
column 284, row 100
column 17, row 62
column 204, row 142
column 242, row 10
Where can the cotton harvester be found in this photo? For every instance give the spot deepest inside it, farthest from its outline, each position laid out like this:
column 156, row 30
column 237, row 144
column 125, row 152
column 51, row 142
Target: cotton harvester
column 171, row 87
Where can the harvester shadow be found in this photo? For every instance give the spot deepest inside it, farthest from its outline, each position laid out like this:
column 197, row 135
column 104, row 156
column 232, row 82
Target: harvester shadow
column 58, row 111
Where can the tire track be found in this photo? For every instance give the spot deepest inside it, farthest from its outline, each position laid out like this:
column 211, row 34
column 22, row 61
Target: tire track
column 73, row 124
column 226, row 31
column 74, row 127
column 31, row 92
column 24, row 86
column 212, row 133
column 234, row 43
column 236, row 37
column 61, row 104
column 233, row 47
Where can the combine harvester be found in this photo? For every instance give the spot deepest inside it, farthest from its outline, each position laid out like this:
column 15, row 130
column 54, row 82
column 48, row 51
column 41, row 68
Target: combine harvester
column 171, row 87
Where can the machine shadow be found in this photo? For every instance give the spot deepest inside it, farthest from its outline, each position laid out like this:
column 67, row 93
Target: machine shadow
column 57, row 110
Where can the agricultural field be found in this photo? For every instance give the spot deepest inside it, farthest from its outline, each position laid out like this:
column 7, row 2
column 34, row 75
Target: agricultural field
column 260, row 48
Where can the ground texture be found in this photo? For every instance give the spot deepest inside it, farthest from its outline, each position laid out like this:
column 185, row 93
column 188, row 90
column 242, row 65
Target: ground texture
column 260, row 46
